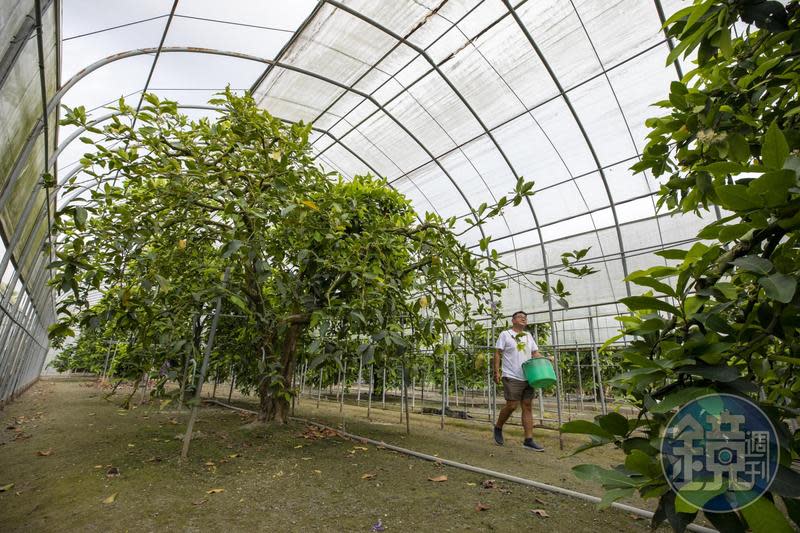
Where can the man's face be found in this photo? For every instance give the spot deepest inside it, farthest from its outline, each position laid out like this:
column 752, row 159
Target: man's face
column 520, row 319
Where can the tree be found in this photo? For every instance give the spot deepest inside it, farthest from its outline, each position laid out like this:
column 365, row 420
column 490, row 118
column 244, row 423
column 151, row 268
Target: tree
column 315, row 264
column 723, row 316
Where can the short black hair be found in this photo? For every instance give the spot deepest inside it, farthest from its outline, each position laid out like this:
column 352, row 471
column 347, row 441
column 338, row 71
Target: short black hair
column 518, row 312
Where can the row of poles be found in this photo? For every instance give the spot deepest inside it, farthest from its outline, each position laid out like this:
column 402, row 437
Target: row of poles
column 305, row 384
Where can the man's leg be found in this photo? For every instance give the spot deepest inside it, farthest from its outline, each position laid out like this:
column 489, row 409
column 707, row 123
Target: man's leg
column 527, row 417
column 506, row 411
column 527, row 422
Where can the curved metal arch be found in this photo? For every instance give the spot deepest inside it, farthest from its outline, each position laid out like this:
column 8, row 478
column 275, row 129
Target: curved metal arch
column 54, row 101
column 585, row 135
column 469, row 108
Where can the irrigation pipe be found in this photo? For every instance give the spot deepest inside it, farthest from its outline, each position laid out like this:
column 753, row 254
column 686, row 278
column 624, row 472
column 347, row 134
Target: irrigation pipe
column 476, row 469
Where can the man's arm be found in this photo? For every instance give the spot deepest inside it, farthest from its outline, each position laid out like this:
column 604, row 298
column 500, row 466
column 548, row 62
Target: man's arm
column 497, row 365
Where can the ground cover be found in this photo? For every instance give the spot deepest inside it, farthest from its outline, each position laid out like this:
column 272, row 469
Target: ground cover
column 78, row 462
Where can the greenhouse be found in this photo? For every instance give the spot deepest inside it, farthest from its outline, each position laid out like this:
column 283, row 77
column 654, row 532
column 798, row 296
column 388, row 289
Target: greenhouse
column 344, row 265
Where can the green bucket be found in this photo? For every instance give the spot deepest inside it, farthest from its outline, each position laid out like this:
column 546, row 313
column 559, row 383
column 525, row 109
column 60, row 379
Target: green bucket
column 539, row 372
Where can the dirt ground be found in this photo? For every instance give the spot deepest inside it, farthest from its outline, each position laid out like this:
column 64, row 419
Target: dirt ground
column 72, row 461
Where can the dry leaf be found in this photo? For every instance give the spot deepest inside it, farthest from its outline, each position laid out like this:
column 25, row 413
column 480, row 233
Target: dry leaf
column 111, row 499
column 298, row 446
column 471, row 484
column 44, row 453
column 488, row 484
column 539, row 500
column 200, row 502
column 360, row 448
column 368, row 476
column 317, row 471
column 438, row 479
column 233, row 455
column 112, row 472
column 5, row 488
column 215, row 491
column 541, row 513
column 482, row 507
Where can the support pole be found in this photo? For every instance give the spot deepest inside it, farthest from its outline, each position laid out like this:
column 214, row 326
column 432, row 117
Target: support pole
column 371, row 391
column 580, row 380
column 603, row 406
column 384, row 385
column 187, row 437
column 360, row 366
column 233, row 383
column 342, row 381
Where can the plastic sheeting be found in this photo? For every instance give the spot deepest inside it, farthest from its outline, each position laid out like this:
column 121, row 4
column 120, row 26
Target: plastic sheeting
column 450, row 100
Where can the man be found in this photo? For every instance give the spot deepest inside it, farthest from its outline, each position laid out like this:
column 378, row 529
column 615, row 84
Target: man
column 516, row 346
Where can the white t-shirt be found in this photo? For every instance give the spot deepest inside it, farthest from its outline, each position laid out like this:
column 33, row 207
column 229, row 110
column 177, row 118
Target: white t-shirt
column 513, row 357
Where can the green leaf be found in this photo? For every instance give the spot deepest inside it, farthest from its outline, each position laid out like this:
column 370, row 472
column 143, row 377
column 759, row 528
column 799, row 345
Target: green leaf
column 609, row 478
column 610, row 496
column 738, row 148
column 238, row 302
column 81, row 214
column 753, row 263
column 231, row 248
column 735, row 197
column 722, row 168
column 638, row 303
column 587, row 428
column 661, row 287
column 774, row 148
column 732, row 232
column 678, row 398
column 772, row 188
column 763, row 517
column 723, row 373
column 675, row 254
column 779, row 287
column 614, row 423
column 727, row 522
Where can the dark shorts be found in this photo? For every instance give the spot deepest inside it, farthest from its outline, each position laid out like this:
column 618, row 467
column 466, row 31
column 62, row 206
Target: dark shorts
column 515, row 390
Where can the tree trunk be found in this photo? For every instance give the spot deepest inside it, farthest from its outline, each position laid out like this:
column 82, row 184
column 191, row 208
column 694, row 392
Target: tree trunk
column 273, row 407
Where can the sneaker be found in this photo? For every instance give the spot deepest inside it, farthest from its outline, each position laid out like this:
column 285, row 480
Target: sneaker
column 498, row 436
column 529, row 444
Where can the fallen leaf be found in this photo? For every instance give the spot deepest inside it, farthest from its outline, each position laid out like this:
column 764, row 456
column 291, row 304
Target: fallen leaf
column 233, row 455
column 438, row 479
column 111, row 499
column 360, row 448
column 200, row 502
column 5, row 488
column 112, row 472
column 541, row 513
column 488, row 484
column 131, row 445
column 470, row 484
column 481, row 507
column 368, row 476
column 298, row 446
column 215, row 491
column 44, row 453
column 317, row 471
column 539, row 500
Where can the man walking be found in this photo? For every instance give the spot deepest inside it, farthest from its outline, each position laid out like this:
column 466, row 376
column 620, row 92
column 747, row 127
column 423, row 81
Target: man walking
column 516, row 346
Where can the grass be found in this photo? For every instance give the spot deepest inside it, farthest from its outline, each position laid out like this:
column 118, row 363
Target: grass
column 272, row 477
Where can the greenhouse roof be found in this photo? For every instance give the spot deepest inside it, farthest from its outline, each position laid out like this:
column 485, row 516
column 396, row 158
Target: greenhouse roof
column 451, row 101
